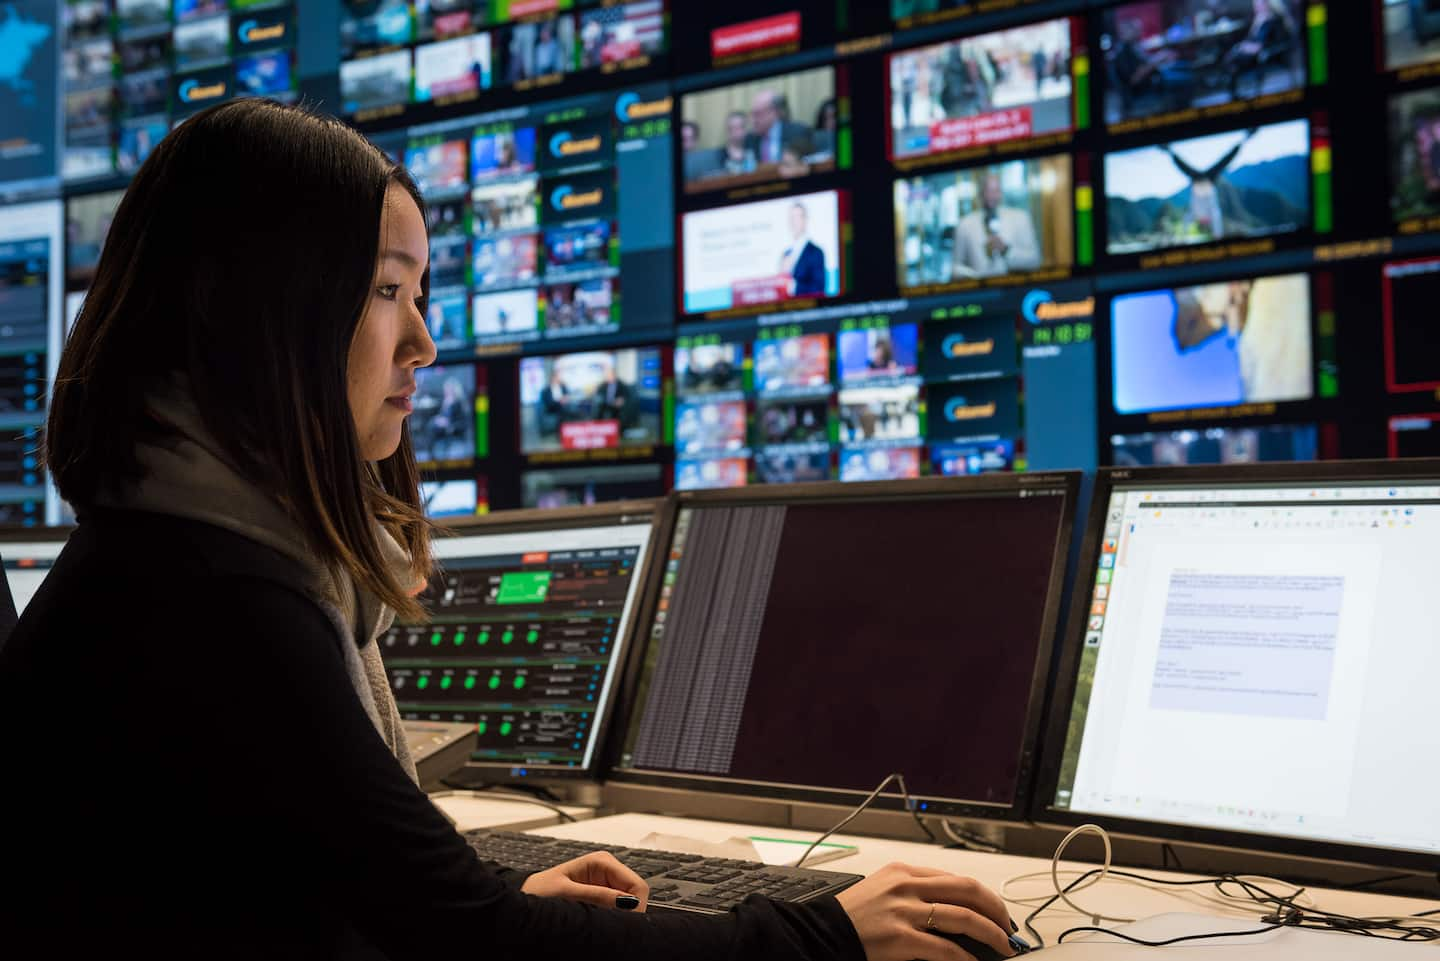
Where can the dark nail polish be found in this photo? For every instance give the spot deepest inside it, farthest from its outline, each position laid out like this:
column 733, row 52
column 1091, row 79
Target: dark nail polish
column 1020, row 945
column 1014, row 928
column 627, row 902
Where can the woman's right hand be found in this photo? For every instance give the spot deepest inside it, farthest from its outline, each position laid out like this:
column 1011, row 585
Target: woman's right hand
column 891, row 907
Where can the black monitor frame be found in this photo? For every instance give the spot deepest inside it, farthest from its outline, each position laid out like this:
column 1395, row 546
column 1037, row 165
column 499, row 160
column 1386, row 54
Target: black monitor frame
column 837, row 492
column 545, row 521
column 1072, row 642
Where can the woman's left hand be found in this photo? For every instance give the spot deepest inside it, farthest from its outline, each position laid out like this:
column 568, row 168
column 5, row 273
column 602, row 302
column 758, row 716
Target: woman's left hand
column 596, row 878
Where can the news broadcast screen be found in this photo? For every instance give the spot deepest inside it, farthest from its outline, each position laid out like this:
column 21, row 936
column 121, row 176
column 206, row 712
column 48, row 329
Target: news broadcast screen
column 581, row 305
column 971, row 347
column 1007, row 85
column 711, row 473
column 374, row 24
column 778, row 128
column 1242, row 183
column 717, row 368
column 622, row 34
column 375, row 82
column 872, row 414
column 576, row 487
column 87, row 225
column 1411, row 31
column 765, row 252
column 965, row 459
column 1410, row 293
column 462, row 497
column 879, row 353
column 506, row 314
column 1164, row 56
column 880, row 464
column 438, row 166
column 499, row 205
column 1214, row 345
column 793, row 421
column 500, row 150
column 443, row 423
column 453, row 68
column 1014, row 217
column 448, row 318
column 539, row 48
column 791, row 364
column 710, row 427
column 789, row 466
column 592, row 400
column 1415, row 154
column 1215, row 445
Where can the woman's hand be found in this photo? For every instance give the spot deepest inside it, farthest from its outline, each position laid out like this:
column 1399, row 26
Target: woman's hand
column 596, row 878
column 891, row 907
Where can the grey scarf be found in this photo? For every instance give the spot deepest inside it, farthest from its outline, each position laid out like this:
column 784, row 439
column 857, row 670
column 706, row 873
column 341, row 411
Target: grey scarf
column 191, row 477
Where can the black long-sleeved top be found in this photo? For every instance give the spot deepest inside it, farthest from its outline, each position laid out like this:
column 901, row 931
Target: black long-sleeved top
column 188, row 772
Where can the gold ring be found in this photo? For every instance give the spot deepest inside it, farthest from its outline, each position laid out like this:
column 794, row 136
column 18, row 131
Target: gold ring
column 930, row 921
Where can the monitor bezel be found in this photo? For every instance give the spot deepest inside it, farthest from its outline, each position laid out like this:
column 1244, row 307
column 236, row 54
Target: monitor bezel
column 1071, row 644
column 834, row 492
column 543, row 520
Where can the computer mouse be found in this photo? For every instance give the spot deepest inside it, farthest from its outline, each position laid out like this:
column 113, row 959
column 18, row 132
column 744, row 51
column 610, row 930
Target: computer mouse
column 979, row 949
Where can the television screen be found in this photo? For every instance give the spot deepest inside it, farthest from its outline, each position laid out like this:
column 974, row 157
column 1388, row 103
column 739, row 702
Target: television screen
column 778, row 128
column 448, row 319
column 452, row 498
column 502, row 150
column 1007, row 218
column 974, row 410
column 548, row 489
column 596, row 399
column 880, row 464
column 1243, row 183
column 374, row 24
column 200, row 42
column 1162, row 56
column 1411, row 291
column 966, row 459
column 135, row 14
column 187, row 10
column 1415, row 154
column 439, row 167
column 577, row 248
column 1222, row 344
column 793, row 364
column 452, row 68
column 711, row 473
column 879, row 353
column 710, row 368
column 971, row 347
column 442, row 427
column 1215, row 445
column 622, row 34
column 448, row 253
column 789, row 466
column 506, row 261
column 438, row 19
column 765, row 252
column 869, row 414
column 262, row 30
column 506, row 313
column 506, row 205
column 87, row 224
column 375, row 82
column 582, row 304
column 793, row 421
column 1007, row 85
column 541, row 48
column 1412, row 33
column 1415, row 436
column 710, row 427
column 264, row 74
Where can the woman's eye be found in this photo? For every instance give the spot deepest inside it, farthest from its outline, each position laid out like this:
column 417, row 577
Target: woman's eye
column 388, row 291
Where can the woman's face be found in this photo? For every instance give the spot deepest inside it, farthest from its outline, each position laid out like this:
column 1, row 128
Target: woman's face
column 392, row 339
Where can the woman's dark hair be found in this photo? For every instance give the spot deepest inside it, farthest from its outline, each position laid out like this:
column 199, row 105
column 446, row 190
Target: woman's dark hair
column 242, row 257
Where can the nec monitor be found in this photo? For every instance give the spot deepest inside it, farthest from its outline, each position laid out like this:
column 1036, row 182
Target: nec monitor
column 803, row 642
column 1251, row 661
column 528, row 626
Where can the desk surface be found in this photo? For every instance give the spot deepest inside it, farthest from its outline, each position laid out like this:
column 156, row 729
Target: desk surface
column 1115, row 898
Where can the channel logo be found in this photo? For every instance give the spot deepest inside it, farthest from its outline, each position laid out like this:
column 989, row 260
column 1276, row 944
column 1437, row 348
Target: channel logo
column 958, row 410
column 1040, row 306
column 197, row 91
column 957, row 347
column 630, row 107
column 568, row 198
column 564, row 145
column 252, row 31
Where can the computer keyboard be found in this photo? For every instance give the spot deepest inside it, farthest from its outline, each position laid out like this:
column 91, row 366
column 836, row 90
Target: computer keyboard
column 679, row 882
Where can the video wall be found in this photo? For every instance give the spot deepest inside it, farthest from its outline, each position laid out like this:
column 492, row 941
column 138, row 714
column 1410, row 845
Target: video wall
column 693, row 245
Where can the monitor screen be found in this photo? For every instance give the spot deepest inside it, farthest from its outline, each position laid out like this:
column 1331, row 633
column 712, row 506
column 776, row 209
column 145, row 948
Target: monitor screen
column 1412, row 33
column 1257, row 648
column 575, row 487
column 854, row 591
column 1244, row 183
column 1014, row 217
column 26, row 564
column 457, row 497
column 1164, row 56
column 1222, row 344
column 765, row 252
column 1410, row 291
column 585, row 401
column 778, row 128
column 1216, row 445
column 879, row 353
column 711, row 473
column 1415, row 435
column 1008, row 85
column 525, row 637
column 445, row 428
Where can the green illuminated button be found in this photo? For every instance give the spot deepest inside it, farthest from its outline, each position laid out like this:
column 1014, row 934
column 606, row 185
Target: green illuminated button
column 494, row 681
column 459, row 638
column 507, row 637
column 484, row 638
column 423, row 682
column 519, row 682
column 523, row 587
column 480, row 728
column 470, row 683
column 445, row 682
column 505, row 729
column 532, row 637
column 435, row 639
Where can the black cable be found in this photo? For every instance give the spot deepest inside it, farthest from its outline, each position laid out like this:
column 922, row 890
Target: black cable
column 909, row 805
column 1167, row 854
column 1160, row 944
column 1372, row 882
column 512, row 796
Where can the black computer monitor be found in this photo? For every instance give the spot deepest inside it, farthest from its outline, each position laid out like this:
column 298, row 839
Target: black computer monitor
column 1251, row 660
column 529, row 618
column 804, row 642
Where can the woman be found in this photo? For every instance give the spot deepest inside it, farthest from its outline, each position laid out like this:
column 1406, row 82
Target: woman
column 229, row 421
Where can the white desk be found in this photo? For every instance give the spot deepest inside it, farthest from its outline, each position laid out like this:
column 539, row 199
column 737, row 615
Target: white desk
column 470, row 810
column 1113, row 898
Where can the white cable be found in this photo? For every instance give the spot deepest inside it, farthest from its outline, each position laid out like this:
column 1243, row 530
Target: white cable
column 1060, row 892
